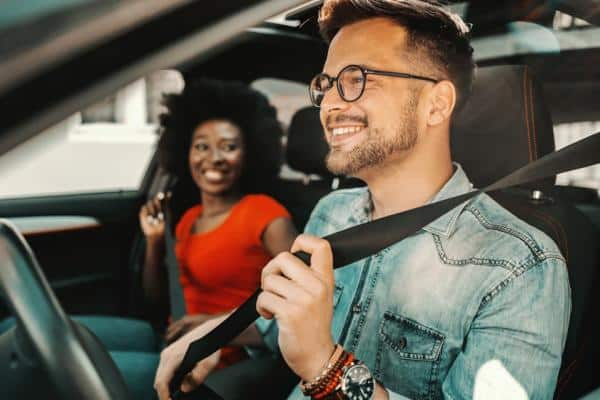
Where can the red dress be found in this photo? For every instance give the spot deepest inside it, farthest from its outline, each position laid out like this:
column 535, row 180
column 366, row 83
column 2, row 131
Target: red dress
column 221, row 268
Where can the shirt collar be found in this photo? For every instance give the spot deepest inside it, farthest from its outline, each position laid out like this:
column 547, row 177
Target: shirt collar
column 361, row 208
column 457, row 184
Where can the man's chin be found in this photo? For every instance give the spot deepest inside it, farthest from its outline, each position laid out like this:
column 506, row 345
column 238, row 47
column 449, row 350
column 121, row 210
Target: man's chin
column 338, row 164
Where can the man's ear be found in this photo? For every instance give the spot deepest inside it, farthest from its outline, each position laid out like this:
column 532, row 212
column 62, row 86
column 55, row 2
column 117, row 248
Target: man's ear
column 443, row 100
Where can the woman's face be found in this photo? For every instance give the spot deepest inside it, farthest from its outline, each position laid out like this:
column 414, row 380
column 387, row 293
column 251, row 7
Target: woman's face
column 216, row 156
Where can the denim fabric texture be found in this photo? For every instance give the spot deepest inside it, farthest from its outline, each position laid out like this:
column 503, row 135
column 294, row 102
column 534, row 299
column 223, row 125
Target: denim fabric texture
column 474, row 305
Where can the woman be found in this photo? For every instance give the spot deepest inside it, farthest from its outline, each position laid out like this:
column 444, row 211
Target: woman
column 231, row 139
column 222, row 142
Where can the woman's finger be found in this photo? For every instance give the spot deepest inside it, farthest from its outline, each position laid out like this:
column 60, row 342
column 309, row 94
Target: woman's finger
column 174, row 331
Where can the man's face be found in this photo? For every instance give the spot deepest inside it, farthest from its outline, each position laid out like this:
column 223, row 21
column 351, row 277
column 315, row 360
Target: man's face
column 381, row 126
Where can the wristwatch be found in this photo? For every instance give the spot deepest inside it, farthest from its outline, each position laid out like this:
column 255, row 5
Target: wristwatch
column 357, row 382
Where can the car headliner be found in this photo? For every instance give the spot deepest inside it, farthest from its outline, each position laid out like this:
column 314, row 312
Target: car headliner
column 102, row 48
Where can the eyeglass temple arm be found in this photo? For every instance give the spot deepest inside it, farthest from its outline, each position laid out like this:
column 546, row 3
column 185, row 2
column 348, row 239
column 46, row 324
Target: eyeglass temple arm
column 399, row 75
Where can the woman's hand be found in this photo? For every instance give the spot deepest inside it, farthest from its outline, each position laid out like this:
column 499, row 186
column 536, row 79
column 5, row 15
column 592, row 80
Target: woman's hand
column 152, row 217
column 184, row 325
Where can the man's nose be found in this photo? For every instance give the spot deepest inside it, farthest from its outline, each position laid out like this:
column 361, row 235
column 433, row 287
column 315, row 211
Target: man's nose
column 332, row 101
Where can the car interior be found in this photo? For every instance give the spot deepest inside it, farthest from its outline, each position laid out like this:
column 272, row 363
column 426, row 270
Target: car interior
column 94, row 266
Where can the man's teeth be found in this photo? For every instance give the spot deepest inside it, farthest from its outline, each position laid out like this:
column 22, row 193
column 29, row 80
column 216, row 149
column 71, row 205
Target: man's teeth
column 345, row 130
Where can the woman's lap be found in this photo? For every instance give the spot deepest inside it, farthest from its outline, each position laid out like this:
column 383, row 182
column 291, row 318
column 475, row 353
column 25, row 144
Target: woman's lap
column 115, row 333
column 138, row 370
column 122, row 334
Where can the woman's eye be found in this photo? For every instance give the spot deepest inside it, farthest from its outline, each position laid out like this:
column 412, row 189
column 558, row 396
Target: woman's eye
column 201, row 146
column 230, row 147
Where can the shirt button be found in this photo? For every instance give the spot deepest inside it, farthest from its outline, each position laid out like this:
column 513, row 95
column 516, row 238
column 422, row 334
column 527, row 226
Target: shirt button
column 356, row 308
column 402, row 343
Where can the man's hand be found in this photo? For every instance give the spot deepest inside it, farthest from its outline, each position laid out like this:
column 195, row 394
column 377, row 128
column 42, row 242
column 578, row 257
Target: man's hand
column 300, row 298
column 184, row 325
column 171, row 357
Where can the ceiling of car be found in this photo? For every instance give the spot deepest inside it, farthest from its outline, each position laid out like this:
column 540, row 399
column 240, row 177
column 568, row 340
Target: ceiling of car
column 163, row 36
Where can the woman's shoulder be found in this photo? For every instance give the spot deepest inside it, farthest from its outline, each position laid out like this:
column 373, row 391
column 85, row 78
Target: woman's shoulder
column 261, row 200
column 187, row 219
column 262, row 206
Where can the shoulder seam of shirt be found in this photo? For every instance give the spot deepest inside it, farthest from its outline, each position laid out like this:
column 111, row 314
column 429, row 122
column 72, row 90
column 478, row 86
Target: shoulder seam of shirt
column 536, row 249
column 516, row 273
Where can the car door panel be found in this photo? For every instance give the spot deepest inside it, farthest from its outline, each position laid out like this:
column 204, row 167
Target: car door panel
column 82, row 243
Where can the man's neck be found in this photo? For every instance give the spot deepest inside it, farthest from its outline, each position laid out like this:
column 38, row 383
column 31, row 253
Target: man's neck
column 408, row 183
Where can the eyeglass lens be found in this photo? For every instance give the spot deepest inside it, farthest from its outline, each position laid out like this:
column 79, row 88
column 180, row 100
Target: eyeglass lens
column 350, row 84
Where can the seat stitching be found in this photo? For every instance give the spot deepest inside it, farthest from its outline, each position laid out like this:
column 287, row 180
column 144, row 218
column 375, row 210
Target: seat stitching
column 532, row 112
column 568, row 373
column 526, row 112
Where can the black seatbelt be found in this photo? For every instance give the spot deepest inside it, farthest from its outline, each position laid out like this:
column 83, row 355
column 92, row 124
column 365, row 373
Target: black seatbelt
column 176, row 298
column 363, row 240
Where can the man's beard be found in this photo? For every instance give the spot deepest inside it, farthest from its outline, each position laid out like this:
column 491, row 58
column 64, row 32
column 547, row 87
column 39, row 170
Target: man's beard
column 376, row 148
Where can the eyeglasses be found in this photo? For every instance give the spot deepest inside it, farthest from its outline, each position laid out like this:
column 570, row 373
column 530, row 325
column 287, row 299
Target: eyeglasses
column 350, row 83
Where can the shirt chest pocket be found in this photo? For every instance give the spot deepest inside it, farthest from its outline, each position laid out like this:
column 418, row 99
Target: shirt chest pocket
column 408, row 356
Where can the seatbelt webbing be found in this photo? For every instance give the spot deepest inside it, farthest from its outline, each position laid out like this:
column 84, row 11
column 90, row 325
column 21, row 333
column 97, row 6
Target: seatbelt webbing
column 363, row 240
column 176, row 298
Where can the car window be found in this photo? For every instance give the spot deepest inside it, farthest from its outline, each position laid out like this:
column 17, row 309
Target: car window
column 105, row 147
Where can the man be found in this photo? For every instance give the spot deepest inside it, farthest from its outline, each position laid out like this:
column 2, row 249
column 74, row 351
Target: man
column 474, row 305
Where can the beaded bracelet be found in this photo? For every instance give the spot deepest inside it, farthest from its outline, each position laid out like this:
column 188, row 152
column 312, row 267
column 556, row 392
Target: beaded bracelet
column 334, row 378
column 314, row 386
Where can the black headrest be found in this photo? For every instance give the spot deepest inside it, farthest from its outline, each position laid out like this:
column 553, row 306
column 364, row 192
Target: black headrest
column 505, row 124
column 306, row 147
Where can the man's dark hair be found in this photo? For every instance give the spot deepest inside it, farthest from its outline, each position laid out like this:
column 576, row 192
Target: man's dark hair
column 205, row 100
column 433, row 32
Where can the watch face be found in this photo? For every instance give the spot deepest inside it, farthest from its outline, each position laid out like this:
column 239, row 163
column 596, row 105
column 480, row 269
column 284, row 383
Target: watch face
column 358, row 383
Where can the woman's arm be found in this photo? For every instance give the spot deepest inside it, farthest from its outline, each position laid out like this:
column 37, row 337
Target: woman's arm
column 279, row 236
column 154, row 272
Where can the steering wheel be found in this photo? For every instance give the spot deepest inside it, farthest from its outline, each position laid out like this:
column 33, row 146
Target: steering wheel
column 72, row 358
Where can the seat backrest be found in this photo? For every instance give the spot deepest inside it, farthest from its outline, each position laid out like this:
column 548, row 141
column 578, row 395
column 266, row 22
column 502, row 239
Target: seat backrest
column 491, row 138
column 306, row 150
column 505, row 124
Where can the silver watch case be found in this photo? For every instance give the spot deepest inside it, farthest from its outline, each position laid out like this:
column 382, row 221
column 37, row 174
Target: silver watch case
column 358, row 382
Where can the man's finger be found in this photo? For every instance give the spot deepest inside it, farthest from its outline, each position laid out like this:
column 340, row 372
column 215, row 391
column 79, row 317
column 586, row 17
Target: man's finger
column 161, row 381
column 321, row 256
column 269, row 305
column 197, row 375
column 291, row 267
column 284, row 288
column 188, row 384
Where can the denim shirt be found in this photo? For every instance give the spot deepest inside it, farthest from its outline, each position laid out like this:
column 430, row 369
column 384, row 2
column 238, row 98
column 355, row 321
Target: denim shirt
column 474, row 305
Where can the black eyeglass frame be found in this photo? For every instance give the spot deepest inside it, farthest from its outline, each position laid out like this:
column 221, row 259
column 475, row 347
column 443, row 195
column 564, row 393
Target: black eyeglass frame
column 365, row 72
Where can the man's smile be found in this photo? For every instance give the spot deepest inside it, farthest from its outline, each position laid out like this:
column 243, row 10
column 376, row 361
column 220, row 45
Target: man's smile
column 344, row 135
